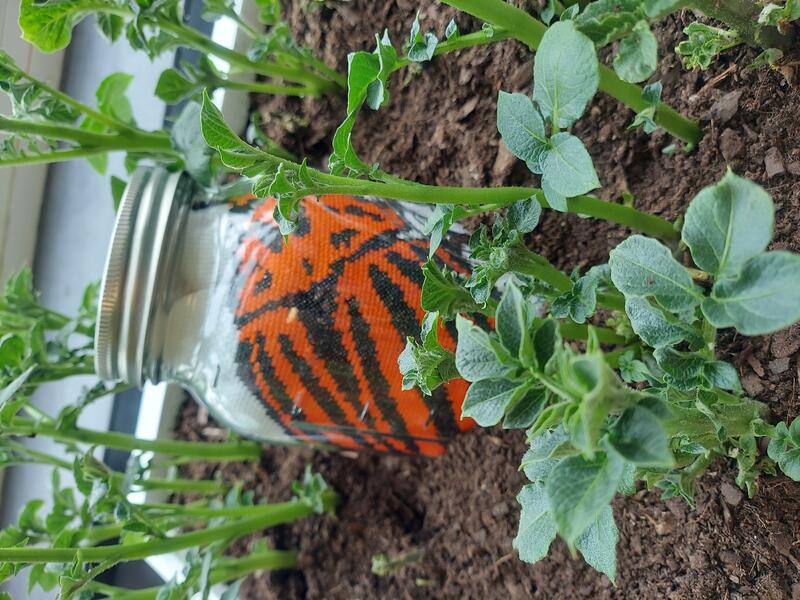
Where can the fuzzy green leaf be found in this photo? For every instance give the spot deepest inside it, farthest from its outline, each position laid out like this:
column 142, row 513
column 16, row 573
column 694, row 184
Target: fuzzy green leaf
column 565, row 74
column 475, row 356
column 522, row 413
column 486, row 400
column 538, row 461
column 524, row 215
column 727, row 224
column 567, row 168
column 522, row 129
column 443, row 291
column 640, row 437
column 637, row 57
column 784, row 448
column 764, row 298
column 598, row 544
column 537, row 530
column 512, row 319
column 642, row 267
column 578, row 490
column 703, row 43
column 657, row 328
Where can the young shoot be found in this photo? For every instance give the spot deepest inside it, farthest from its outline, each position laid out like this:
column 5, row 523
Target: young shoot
column 155, row 27
column 46, row 125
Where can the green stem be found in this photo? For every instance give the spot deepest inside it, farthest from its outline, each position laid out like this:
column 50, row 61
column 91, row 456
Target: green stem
column 500, row 196
column 267, row 88
column 139, row 141
column 223, row 571
column 529, row 30
column 469, row 40
column 285, row 512
column 201, row 486
column 200, row 42
column 223, row 451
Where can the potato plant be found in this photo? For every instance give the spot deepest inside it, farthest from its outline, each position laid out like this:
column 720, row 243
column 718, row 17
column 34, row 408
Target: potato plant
column 91, row 525
column 612, row 372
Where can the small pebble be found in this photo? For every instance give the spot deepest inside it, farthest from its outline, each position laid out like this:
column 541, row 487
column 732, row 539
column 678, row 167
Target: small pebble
column 726, row 107
column 774, row 163
column 779, row 365
column 732, row 494
column 731, row 144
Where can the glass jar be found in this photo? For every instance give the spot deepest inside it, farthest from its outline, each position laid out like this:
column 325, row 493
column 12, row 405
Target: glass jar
column 283, row 342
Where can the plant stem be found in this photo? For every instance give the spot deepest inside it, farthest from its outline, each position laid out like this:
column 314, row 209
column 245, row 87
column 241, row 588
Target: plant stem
column 137, row 140
column 262, row 87
column 202, row 486
column 529, row 30
column 501, row 196
column 213, row 451
column 469, row 40
column 285, row 512
column 225, row 570
column 200, row 42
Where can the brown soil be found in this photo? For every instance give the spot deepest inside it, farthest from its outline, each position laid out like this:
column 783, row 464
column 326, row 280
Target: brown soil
column 460, row 509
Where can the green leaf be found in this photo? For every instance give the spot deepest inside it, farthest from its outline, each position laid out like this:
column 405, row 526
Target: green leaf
column 522, row 129
column 421, row 47
column 605, row 21
column 784, row 448
column 118, row 186
column 598, row 544
column 377, row 91
column 486, row 400
column 640, row 437
column 524, row 215
column 524, row 411
column 642, row 267
column 538, row 461
column 565, row 74
column 579, row 489
column 110, row 26
column 475, row 357
column 8, row 393
column 187, row 138
column 111, row 98
column 443, row 291
column 704, row 43
column 637, row 57
column 657, row 328
column 537, row 530
column 512, row 319
column 683, row 370
column 764, row 298
column 173, row 87
column 580, row 302
column 48, row 26
column 567, row 168
column 774, row 14
column 233, row 151
column 727, row 224
column 545, row 342
column 451, row 32
column 723, row 375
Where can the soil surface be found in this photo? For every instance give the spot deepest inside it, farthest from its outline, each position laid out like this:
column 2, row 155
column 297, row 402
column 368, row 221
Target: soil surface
column 459, row 510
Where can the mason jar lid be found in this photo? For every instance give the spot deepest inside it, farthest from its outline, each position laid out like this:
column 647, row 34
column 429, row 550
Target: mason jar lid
column 133, row 270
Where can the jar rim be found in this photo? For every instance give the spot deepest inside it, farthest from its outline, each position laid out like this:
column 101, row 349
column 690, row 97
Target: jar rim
column 131, row 275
